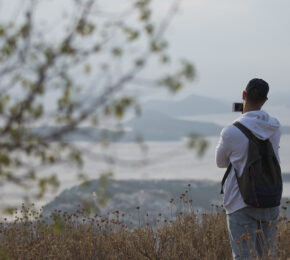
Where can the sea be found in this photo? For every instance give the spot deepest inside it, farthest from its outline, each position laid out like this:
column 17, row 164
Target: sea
column 153, row 160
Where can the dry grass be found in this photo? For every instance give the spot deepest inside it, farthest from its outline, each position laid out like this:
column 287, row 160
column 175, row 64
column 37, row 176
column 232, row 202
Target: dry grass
column 76, row 236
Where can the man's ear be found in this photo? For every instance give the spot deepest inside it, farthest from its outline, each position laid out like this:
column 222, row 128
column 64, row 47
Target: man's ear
column 244, row 95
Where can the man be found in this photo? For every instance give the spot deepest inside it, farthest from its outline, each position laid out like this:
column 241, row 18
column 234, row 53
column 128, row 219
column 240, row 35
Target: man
column 252, row 230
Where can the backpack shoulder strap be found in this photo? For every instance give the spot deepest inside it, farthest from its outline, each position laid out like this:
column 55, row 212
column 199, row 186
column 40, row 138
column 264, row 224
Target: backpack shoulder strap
column 244, row 130
column 225, row 177
column 247, row 133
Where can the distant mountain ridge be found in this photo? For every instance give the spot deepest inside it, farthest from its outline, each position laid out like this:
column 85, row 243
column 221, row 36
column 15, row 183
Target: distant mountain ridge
column 189, row 106
column 154, row 125
column 158, row 122
column 151, row 126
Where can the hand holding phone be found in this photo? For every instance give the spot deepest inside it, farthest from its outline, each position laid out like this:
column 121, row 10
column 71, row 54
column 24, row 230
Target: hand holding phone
column 237, row 107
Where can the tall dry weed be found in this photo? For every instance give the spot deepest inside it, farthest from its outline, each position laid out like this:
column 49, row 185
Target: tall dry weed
column 76, row 236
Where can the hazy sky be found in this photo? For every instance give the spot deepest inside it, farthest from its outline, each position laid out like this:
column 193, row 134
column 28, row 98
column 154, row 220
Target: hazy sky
column 229, row 41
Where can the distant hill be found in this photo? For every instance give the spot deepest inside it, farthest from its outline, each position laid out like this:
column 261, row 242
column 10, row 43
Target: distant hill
column 189, row 106
column 152, row 196
column 151, row 125
column 154, row 125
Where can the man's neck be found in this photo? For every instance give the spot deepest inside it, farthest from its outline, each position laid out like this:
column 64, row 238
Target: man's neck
column 248, row 108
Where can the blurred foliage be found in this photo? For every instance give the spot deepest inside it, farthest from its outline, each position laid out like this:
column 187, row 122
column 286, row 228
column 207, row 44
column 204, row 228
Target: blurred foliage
column 72, row 78
column 197, row 143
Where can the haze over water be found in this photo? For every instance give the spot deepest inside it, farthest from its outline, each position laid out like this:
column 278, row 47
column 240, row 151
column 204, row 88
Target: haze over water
column 168, row 160
column 229, row 43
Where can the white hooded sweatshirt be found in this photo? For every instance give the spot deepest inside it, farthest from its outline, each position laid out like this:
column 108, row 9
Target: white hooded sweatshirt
column 233, row 147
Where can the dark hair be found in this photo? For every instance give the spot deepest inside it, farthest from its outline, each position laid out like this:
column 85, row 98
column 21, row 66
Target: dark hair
column 257, row 90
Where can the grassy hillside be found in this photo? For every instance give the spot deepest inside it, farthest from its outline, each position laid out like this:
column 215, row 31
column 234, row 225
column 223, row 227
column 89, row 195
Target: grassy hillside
column 77, row 236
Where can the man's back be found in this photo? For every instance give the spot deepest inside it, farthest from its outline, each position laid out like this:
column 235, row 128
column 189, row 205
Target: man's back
column 233, row 148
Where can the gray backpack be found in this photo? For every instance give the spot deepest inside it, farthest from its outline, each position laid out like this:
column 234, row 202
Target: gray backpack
column 261, row 181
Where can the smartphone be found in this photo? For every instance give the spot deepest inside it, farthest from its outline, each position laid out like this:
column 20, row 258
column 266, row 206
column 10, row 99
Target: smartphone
column 237, row 107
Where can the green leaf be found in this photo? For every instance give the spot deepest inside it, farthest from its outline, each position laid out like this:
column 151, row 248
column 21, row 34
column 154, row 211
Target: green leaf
column 133, row 36
column 24, row 30
column 10, row 211
column 67, row 49
column 171, row 82
column 117, row 51
column 149, row 29
column 85, row 28
column 2, row 31
column 203, row 144
column 142, row 3
column 76, row 157
column 94, row 120
column 88, row 69
column 197, row 143
column 139, row 62
column 145, row 15
column 97, row 48
column 4, row 160
column 164, row 59
column 48, row 54
column 188, row 70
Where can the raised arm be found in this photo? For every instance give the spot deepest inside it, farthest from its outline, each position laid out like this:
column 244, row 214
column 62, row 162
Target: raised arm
column 223, row 149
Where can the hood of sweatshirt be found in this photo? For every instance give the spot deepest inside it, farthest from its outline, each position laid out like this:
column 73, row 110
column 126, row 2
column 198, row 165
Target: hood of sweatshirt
column 260, row 123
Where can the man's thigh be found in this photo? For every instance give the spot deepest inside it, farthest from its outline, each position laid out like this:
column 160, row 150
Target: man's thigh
column 266, row 237
column 242, row 227
column 253, row 229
